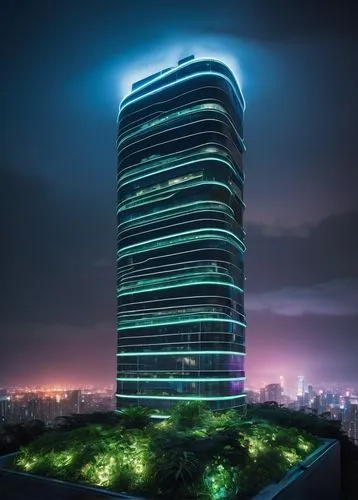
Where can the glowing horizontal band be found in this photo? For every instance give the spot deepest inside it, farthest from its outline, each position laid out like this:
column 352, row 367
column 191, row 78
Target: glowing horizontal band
column 129, row 221
column 148, row 379
column 181, row 353
column 234, row 134
column 174, row 69
column 147, row 164
column 180, row 286
column 176, row 274
column 159, row 416
column 163, row 238
column 192, row 398
column 127, row 205
column 239, row 96
column 171, row 116
column 194, row 320
column 181, row 165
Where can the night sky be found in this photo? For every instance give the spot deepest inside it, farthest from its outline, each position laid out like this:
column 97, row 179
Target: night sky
column 64, row 68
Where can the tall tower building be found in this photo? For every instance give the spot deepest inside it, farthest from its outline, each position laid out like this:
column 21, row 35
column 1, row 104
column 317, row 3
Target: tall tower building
column 180, row 280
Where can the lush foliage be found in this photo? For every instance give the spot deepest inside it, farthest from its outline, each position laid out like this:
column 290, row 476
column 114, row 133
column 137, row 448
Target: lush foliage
column 195, row 453
column 318, row 426
column 135, row 417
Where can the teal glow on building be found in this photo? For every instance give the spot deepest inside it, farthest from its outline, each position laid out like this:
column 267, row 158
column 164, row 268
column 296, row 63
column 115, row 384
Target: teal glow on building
column 180, row 272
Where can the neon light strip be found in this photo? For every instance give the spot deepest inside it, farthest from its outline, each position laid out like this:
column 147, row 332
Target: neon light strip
column 181, row 353
column 240, row 97
column 123, row 379
column 180, row 213
column 126, row 205
column 194, row 320
column 179, row 398
column 181, row 286
column 178, row 67
column 235, row 136
column 163, row 238
column 158, row 416
column 179, row 113
column 209, row 158
column 191, row 154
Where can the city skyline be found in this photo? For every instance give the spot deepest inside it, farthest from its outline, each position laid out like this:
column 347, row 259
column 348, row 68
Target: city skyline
column 62, row 85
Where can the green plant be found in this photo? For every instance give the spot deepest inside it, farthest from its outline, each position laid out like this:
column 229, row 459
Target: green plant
column 267, row 467
column 135, row 417
column 176, row 469
column 195, row 454
column 190, row 415
column 221, row 480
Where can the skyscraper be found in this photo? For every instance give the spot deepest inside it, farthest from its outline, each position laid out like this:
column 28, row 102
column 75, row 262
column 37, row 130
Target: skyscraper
column 181, row 322
column 300, row 401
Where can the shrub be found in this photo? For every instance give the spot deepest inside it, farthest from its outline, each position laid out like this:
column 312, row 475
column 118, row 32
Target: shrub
column 175, row 470
column 190, row 415
column 135, row 417
column 196, row 453
column 221, row 480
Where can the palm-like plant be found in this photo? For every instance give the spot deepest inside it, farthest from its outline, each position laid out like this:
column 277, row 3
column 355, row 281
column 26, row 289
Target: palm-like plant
column 135, row 417
column 177, row 469
column 190, row 415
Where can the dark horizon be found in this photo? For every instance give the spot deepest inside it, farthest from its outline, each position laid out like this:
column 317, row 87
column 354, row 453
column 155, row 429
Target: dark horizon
column 65, row 69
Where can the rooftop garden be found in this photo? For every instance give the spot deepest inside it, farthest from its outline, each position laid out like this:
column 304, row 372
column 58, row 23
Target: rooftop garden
column 196, row 453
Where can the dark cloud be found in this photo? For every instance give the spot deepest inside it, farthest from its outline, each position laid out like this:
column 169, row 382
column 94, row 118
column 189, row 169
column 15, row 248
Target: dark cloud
column 279, row 20
column 280, row 258
column 61, row 68
column 52, row 247
column 57, row 353
column 335, row 298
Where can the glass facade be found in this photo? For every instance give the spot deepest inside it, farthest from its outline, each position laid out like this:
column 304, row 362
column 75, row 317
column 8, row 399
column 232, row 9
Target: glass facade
column 180, row 274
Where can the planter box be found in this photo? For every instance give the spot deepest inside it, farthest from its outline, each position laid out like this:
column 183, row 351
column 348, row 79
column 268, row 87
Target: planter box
column 317, row 477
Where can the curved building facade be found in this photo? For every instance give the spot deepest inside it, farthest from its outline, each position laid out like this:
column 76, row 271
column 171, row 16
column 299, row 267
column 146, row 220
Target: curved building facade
column 180, row 273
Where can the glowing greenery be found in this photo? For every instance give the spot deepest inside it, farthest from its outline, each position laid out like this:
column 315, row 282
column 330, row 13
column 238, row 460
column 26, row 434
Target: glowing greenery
column 221, row 480
column 194, row 453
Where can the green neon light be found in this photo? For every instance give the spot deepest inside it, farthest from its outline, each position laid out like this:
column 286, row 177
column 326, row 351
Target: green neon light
column 182, row 285
column 181, row 353
column 196, row 121
column 170, row 116
column 193, row 218
column 155, row 415
column 157, row 188
column 126, row 206
column 192, row 398
column 143, row 284
column 224, row 205
column 159, row 416
column 194, row 320
column 184, row 265
column 199, row 266
column 153, row 163
column 184, row 233
column 233, row 131
column 178, row 275
column 148, row 379
column 233, row 83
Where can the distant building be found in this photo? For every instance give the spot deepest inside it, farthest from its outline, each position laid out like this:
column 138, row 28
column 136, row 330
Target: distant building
column 253, row 397
column 300, row 391
column 4, row 408
column 272, row 392
column 319, row 404
column 311, row 393
column 350, row 419
column 263, row 395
